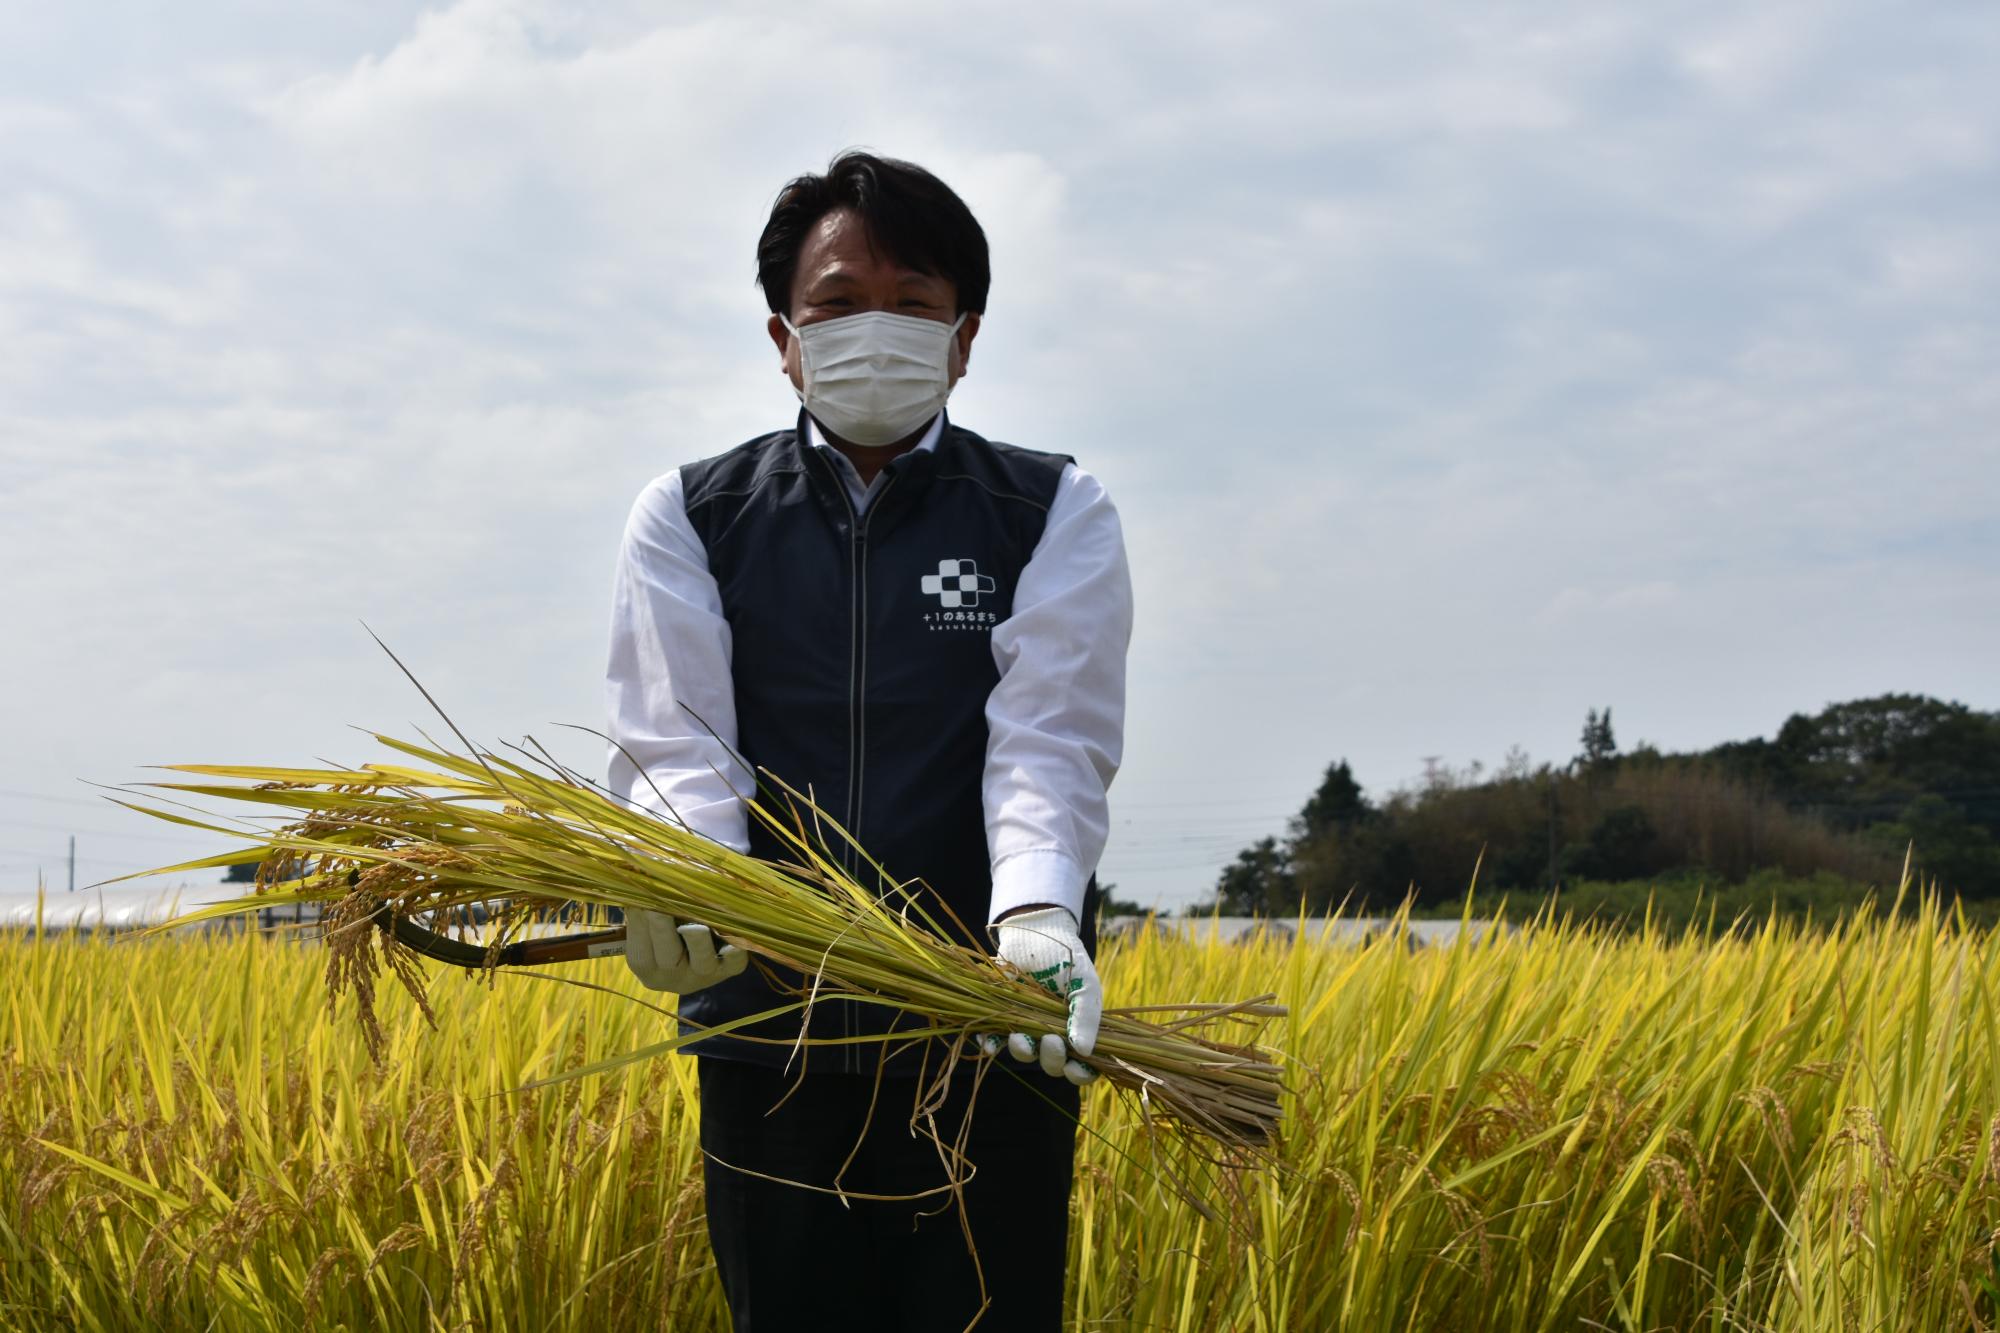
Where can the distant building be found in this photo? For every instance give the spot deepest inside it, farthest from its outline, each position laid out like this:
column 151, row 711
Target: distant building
column 116, row 910
column 1348, row 930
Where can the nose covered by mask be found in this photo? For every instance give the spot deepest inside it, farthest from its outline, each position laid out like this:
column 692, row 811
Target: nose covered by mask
column 875, row 377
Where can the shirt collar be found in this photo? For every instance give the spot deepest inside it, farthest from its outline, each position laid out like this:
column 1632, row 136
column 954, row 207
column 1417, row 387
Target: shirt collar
column 925, row 445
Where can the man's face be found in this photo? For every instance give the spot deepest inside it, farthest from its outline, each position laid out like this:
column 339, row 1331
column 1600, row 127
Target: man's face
column 838, row 274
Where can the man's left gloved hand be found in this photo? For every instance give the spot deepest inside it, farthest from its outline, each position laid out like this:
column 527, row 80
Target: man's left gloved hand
column 678, row 956
column 1044, row 945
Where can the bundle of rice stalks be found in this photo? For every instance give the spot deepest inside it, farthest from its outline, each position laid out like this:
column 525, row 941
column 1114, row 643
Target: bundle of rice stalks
column 478, row 832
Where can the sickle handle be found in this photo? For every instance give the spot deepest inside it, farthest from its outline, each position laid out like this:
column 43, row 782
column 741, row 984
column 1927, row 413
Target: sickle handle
column 565, row 948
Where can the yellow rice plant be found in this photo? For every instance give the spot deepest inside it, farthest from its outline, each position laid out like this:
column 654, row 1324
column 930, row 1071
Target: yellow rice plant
column 1773, row 1128
column 386, row 843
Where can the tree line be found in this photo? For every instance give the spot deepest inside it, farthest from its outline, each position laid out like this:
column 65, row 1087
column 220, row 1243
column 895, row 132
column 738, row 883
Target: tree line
column 1834, row 798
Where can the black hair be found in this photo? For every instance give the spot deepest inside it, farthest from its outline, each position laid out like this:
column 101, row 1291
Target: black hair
column 911, row 215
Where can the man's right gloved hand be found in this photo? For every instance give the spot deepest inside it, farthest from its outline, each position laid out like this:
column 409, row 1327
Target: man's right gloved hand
column 669, row 955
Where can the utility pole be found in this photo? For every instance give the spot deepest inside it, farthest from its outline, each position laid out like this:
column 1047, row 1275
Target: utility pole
column 1552, row 829
column 72, row 863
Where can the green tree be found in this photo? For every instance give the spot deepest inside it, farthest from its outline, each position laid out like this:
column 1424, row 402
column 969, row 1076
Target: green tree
column 1868, row 765
column 1339, row 803
column 1622, row 844
column 1600, row 747
column 1109, row 904
column 1960, row 855
column 1259, row 882
column 1840, row 792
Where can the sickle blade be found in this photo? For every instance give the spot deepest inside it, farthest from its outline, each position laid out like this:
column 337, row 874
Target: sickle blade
column 519, row 953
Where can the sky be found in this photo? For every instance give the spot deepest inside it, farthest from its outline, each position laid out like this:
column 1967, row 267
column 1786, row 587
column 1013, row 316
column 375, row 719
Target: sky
column 1455, row 368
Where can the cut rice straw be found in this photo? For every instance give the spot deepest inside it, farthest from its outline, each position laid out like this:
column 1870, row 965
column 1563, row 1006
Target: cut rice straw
column 472, row 831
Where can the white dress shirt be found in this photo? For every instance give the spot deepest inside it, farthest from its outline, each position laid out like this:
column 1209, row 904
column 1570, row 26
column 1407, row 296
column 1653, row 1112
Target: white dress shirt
column 843, row 466
column 1055, row 721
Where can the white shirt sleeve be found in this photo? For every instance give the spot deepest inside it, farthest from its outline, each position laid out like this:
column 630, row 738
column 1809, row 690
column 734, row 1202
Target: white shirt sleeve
column 670, row 646
column 1056, row 721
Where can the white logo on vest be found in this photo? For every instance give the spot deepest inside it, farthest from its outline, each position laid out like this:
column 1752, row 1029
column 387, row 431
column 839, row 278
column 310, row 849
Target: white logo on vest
column 958, row 586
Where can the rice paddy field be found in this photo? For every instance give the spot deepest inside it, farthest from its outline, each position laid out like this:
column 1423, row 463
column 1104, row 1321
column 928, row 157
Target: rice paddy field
column 1548, row 1128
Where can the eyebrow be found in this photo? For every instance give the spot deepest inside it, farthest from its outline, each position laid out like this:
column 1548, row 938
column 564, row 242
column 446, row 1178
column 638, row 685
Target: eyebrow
column 834, row 276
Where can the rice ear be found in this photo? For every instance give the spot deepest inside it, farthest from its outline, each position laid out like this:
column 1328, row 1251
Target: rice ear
column 516, row 838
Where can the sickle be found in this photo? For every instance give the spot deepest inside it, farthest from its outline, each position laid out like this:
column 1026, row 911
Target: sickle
column 520, row 953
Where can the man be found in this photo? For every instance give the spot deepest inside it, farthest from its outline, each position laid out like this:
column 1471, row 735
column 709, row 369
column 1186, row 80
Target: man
column 926, row 631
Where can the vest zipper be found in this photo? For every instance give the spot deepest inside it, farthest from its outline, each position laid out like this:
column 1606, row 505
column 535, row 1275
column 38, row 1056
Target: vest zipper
column 857, row 686
column 858, row 716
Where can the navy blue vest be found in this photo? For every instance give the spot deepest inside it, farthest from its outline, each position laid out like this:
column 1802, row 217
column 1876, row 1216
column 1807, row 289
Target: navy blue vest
column 862, row 659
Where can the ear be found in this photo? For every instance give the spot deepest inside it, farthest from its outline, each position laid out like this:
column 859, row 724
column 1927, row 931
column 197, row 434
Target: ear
column 788, row 351
column 963, row 340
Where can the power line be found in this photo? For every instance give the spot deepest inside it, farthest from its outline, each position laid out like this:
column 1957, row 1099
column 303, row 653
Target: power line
column 98, row 832
column 1201, row 825
column 1185, row 805
column 56, row 800
column 47, row 857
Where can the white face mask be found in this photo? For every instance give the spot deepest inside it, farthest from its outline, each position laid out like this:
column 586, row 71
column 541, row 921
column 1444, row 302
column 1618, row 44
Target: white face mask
column 874, row 377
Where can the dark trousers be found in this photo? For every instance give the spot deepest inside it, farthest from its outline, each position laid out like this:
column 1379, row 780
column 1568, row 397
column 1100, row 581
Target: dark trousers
column 796, row 1260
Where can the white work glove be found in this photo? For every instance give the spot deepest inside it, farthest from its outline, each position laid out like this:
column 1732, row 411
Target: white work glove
column 1045, row 946
column 667, row 955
